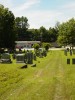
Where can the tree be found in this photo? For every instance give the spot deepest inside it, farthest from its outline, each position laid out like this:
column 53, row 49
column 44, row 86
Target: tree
column 46, row 46
column 43, row 34
column 21, row 24
column 52, row 34
column 7, row 34
column 67, row 33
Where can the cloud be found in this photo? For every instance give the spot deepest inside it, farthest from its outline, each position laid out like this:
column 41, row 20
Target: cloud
column 28, row 4
column 43, row 18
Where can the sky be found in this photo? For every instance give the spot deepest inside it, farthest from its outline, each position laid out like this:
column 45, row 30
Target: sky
column 42, row 12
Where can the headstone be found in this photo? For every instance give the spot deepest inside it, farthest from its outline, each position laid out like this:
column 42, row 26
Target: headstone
column 65, row 52
column 68, row 61
column 14, row 55
column 70, row 52
column 29, row 58
column 73, row 60
column 20, row 58
column 5, row 58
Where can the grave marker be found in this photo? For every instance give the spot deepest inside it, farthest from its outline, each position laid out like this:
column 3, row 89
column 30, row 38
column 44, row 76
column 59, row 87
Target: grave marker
column 20, row 58
column 5, row 58
column 73, row 60
column 68, row 61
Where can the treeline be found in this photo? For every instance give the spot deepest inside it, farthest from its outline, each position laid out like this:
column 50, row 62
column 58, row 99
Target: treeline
column 17, row 29
column 41, row 34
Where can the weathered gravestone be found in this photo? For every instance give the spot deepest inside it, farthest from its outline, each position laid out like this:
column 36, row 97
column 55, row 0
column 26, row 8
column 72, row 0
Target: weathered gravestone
column 73, row 60
column 20, row 58
column 70, row 52
column 29, row 58
column 14, row 55
column 5, row 58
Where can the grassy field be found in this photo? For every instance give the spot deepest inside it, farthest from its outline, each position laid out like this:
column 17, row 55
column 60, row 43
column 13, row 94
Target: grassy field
column 51, row 79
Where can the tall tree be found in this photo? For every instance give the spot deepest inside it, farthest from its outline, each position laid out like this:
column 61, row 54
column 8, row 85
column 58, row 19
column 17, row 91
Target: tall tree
column 7, row 34
column 43, row 34
column 21, row 24
column 52, row 34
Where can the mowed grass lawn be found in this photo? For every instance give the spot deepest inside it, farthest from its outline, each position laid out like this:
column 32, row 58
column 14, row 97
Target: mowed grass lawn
column 51, row 79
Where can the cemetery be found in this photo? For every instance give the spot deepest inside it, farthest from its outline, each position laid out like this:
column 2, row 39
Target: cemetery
column 33, row 72
column 37, row 61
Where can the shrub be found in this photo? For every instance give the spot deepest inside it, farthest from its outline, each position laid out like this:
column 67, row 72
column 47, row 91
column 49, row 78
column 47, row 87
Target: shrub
column 36, row 46
column 46, row 46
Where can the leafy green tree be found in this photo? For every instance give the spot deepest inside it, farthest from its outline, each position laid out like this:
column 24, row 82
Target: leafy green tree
column 67, row 33
column 7, row 34
column 43, row 34
column 52, row 34
column 21, row 25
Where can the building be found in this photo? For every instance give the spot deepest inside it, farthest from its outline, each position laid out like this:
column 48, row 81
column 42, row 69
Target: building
column 26, row 44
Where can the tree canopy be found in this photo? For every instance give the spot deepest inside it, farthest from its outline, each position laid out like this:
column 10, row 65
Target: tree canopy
column 21, row 26
column 7, row 34
column 66, row 33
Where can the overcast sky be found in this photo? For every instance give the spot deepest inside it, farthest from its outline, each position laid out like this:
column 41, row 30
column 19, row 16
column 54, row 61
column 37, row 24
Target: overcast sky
column 42, row 12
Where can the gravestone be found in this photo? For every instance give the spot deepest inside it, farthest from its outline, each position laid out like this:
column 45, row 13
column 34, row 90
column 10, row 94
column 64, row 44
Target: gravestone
column 68, row 61
column 73, row 60
column 20, row 58
column 70, row 52
column 29, row 58
column 14, row 55
column 65, row 52
column 5, row 58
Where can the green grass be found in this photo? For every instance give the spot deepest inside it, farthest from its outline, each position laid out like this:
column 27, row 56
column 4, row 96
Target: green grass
column 51, row 79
